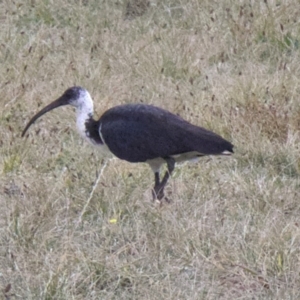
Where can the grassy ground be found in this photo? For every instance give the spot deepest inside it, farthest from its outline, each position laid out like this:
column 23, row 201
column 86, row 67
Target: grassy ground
column 232, row 229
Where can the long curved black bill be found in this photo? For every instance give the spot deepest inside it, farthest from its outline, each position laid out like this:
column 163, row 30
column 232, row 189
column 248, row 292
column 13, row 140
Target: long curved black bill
column 59, row 102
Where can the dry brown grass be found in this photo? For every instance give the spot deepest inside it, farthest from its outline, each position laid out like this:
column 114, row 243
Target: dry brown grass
column 232, row 230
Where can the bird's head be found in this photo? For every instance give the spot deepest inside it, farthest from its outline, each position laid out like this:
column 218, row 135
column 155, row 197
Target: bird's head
column 75, row 96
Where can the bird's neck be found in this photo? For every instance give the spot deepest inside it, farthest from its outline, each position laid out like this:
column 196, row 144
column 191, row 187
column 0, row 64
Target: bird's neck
column 87, row 126
column 84, row 113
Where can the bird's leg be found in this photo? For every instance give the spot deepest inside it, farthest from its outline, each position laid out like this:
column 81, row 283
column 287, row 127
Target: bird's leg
column 157, row 180
column 156, row 185
column 159, row 186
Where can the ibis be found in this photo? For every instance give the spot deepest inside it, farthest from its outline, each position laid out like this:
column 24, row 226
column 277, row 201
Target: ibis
column 141, row 133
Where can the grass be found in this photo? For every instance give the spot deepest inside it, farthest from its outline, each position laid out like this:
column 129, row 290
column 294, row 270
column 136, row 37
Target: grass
column 77, row 225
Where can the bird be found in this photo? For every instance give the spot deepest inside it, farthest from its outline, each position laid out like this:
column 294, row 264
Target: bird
column 140, row 133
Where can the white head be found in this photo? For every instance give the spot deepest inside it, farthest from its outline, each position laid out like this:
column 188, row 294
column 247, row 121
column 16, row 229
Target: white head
column 79, row 98
column 75, row 96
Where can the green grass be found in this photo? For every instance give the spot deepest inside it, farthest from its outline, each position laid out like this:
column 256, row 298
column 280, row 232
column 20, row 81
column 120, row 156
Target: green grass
column 77, row 225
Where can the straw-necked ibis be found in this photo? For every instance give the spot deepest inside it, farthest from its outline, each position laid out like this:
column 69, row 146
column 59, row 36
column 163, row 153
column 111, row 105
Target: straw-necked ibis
column 141, row 133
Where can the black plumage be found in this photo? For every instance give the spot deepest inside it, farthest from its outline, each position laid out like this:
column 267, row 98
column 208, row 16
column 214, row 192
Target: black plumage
column 139, row 132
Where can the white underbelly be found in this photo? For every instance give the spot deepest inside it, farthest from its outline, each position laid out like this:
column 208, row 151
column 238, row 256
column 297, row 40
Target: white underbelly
column 156, row 163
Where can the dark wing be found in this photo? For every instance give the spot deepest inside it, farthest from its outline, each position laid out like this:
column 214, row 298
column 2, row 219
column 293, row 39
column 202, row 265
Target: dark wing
column 138, row 132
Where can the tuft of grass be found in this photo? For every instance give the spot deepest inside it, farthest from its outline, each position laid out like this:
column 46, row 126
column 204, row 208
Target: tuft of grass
column 11, row 163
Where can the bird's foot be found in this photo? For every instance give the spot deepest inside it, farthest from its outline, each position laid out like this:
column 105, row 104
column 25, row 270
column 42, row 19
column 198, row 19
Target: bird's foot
column 159, row 195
